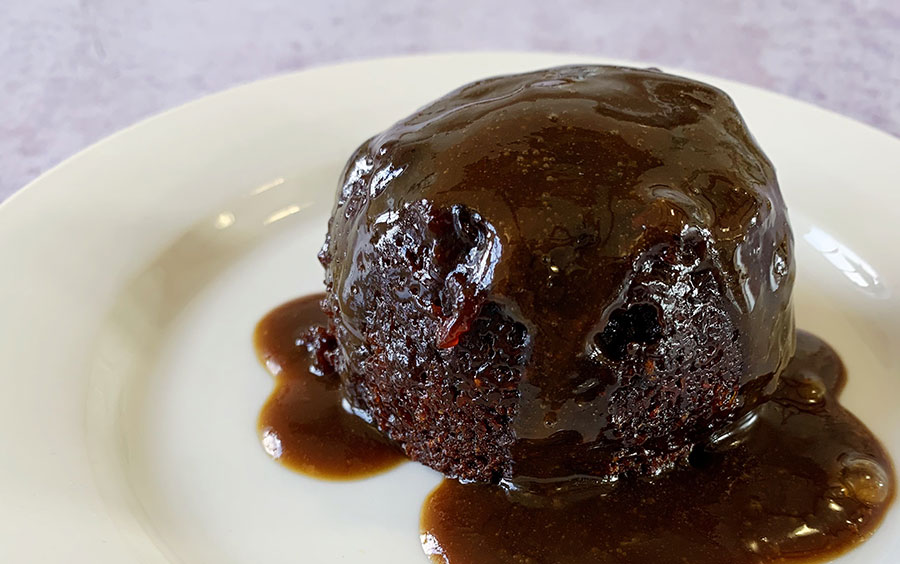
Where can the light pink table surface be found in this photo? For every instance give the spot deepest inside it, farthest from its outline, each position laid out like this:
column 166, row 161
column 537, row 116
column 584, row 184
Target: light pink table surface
column 72, row 72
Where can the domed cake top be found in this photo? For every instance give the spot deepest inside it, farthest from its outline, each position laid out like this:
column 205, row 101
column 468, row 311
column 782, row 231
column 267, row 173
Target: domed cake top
column 624, row 220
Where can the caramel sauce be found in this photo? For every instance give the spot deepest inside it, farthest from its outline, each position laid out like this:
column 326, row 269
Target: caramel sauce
column 798, row 480
column 303, row 424
column 801, row 479
column 598, row 207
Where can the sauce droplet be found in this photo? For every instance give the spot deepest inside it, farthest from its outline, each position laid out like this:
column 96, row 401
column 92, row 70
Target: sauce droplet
column 810, row 388
column 865, row 479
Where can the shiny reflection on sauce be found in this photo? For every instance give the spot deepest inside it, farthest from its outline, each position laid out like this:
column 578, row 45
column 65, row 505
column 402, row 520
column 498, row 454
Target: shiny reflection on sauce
column 303, row 425
column 800, row 480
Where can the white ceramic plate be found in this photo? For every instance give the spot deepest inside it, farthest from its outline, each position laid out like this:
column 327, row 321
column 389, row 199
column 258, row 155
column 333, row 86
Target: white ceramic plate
column 131, row 277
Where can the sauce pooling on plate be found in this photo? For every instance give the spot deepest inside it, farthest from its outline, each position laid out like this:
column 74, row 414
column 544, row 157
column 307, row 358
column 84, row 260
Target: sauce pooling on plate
column 303, row 424
column 800, row 479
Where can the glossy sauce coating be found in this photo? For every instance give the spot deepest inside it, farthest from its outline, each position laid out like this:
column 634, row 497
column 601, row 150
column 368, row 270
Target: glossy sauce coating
column 801, row 481
column 303, row 424
column 626, row 237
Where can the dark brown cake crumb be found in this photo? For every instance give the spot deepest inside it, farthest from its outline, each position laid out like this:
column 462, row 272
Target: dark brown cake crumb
column 581, row 271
